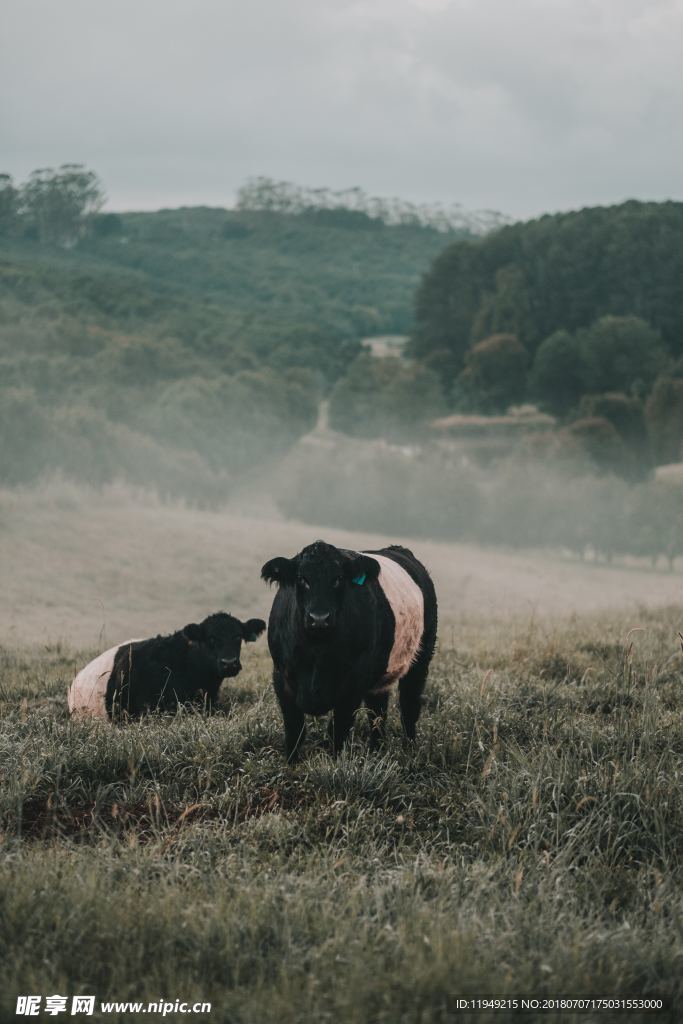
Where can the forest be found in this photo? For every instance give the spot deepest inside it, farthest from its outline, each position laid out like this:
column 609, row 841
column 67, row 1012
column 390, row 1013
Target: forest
column 181, row 348
column 188, row 350
column 580, row 313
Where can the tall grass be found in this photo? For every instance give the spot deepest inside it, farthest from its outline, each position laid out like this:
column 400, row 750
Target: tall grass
column 528, row 844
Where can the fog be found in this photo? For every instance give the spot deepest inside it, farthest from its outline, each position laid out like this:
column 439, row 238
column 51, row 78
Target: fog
column 87, row 566
column 165, row 376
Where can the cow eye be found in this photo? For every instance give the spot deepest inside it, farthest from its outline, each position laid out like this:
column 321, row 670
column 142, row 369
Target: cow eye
column 337, row 583
column 304, row 583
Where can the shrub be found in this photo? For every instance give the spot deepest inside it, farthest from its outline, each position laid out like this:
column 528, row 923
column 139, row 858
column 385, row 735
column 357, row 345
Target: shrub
column 232, row 421
column 557, row 374
column 495, row 373
column 597, row 439
column 385, row 398
column 378, row 487
column 627, row 417
column 621, row 353
column 664, row 416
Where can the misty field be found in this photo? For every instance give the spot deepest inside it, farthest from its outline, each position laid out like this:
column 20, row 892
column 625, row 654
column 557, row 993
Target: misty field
column 528, row 844
column 93, row 567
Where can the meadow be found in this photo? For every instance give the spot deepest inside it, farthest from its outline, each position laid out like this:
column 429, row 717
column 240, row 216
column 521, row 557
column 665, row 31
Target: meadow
column 528, row 844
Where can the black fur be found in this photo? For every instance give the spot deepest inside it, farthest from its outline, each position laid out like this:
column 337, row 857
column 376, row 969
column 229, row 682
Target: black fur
column 330, row 638
column 185, row 667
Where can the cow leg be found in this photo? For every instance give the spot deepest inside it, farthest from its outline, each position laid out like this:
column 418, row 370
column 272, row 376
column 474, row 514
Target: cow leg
column 377, row 704
column 410, row 699
column 292, row 717
column 413, row 683
column 339, row 727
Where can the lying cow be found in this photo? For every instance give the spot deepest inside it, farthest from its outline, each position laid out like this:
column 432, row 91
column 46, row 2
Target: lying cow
column 344, row 627
column 164, row 671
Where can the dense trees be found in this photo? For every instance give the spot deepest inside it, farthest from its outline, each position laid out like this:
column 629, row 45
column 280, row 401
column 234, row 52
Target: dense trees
column 265, row 271
column 189, row 345
column 623, row 412
column 626, row 416
column 557, row 376
column 54, row 206
column 621, row 353
column 495, row 374
column 614, row 353
column 560, row 272
column 192, row 344
column 595, row 379
column 594, row 297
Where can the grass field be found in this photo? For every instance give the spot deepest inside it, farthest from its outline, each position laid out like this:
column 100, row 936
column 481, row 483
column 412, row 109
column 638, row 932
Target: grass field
column 529, row 843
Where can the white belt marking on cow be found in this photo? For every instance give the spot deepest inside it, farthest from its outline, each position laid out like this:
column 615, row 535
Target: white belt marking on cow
column 407, row 604
column 86, row 695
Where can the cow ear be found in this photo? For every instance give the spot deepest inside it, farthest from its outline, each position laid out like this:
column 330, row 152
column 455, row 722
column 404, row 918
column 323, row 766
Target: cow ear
column 279, row 570
column 192, row 632
column 361, row 568
column 252, row 629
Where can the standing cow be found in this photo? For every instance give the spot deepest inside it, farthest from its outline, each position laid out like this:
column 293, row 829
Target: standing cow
column 164, row 671
column 344, row 627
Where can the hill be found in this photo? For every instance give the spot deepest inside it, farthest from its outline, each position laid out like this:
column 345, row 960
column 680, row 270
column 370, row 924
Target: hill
column 560, row 272
column 183, row 347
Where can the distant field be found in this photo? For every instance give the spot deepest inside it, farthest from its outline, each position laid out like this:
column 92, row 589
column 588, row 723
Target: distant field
column 84, row 568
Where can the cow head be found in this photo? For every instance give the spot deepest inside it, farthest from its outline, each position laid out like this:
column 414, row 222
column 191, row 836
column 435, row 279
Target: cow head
column 215, row 643
column 323, row 576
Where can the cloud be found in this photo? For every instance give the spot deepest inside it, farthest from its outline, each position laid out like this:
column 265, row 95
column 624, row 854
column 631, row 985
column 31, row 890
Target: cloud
column 521, row 105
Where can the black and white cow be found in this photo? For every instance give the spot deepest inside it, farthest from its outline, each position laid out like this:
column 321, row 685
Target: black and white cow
column 344, row 627
column 142, row 675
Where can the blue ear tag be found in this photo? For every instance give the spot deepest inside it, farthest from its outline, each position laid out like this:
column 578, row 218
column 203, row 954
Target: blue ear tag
column 360, row 580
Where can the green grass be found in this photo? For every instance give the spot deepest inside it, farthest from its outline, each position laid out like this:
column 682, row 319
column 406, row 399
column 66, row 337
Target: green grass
column 528, row 844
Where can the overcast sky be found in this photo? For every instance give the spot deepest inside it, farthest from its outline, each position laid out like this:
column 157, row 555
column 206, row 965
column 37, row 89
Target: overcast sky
column 518, row 105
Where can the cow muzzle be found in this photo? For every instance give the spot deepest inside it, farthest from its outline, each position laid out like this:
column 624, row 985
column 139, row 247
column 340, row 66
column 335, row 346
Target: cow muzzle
column 318, row 622
column 229, row 667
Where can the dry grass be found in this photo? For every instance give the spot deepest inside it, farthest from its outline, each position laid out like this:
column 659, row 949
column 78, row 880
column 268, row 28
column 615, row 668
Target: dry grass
column 87, row 568
column 530, row 843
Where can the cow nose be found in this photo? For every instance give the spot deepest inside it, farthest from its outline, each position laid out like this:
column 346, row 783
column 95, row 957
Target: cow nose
column 228, row 662
column 319, row 620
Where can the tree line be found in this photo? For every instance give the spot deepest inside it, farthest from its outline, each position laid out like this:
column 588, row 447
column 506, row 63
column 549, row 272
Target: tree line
column 560, row 272
column 53, row 205
column 181, row 349
column 521, row 502
column 615, row 391
column 353, row 206
column 580, row 313
column 219, row 323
